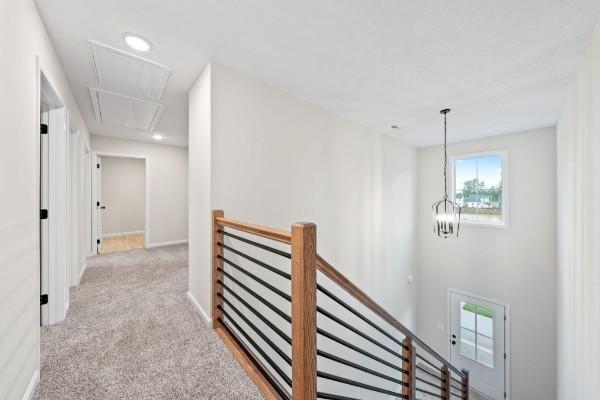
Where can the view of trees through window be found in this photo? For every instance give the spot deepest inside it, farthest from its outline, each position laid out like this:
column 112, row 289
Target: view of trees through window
column 478, row 188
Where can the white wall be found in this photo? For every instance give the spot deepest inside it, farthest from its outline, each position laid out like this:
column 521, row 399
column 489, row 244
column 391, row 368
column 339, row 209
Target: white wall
column 167, row 185
column 515, row 265
column 200, row 217
column 578, row 149
column 123, row 195
column 276, row 160
column 22, row 37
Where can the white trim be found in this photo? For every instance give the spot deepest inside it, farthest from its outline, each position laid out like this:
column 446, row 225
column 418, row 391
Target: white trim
column 506, row 332
column 162, row 244
column 33, row 382
column 505, row 186
column 123, row 234
column 199, row 308
column 82, row 272
column 146, row 159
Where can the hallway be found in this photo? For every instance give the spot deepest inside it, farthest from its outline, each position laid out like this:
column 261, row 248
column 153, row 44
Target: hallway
column 131, row 334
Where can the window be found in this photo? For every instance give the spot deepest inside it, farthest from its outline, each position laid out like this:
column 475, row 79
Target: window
column 477, row 333
column 479, row 187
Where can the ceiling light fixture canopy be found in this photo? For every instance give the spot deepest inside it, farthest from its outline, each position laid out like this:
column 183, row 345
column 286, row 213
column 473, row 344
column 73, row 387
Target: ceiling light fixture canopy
column 446, row 214
column 137, row 42
column 156, row 136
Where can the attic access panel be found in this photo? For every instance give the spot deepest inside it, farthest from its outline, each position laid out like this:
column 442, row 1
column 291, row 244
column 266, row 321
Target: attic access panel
column 127, row 111
column 122, row 72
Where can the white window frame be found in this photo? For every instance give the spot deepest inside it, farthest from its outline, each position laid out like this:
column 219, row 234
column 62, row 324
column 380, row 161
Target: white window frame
column 505, row 186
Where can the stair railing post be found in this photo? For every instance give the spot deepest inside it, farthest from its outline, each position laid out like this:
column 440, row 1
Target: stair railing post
column 304, row 311
column 217, row 251
column 410, row 354
column 465, row 382
column 445, row 383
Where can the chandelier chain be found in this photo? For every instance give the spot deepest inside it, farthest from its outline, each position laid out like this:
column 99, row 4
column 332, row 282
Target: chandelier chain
column 445, row 161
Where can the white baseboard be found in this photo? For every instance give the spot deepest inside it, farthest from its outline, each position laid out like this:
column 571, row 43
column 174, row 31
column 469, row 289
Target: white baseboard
column 28, row 395
column 199, row 308
column 123, row 234
column 151, row 245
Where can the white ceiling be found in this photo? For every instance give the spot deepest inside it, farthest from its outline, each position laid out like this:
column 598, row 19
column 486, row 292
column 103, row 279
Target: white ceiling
column 502, row 65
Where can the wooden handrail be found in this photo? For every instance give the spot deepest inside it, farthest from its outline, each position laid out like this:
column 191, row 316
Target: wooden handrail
column 263, row 231
column 305, row 263
column 337, row 277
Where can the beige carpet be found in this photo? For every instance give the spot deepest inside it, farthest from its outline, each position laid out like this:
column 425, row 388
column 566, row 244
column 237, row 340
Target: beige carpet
column 131, row 334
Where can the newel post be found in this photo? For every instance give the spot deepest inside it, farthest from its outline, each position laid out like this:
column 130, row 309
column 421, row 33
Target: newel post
column 216, row 264
column 445, row 383
column 465, row 382
column 304, row 311
column 409, row 352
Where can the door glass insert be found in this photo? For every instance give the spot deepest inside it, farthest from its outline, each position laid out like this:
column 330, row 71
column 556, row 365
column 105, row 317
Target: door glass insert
column 477, row 333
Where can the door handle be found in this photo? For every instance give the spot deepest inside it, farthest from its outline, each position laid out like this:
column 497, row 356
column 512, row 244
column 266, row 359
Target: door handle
column 103, row 208
column 454, row 343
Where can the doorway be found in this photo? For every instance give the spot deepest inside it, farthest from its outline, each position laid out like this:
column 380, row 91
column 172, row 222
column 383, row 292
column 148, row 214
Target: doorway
column 478, row 342
column 121, row 202
column 54, row 197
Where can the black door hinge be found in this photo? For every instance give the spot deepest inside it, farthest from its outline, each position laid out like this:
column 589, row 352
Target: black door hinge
column 97, row 165
column 43, row 129
column 97, row 241
column 43, row 214
column 43, row 299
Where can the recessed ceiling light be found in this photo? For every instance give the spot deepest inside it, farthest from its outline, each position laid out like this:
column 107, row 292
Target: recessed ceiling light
column 137, row 42
column 156, row 136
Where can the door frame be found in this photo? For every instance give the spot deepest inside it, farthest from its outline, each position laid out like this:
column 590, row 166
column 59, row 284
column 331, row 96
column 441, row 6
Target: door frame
column 506, row 331
column 95, row 155
column 55, row 310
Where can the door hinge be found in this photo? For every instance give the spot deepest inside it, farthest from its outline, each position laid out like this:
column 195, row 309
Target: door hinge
column 97, row 241
column 505, row 356
column 97, row 165
column 43, row 214
column 43, row 299
column 97, row 204
column 43, row 129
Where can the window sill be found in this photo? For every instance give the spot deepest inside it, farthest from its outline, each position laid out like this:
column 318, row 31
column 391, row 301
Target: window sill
column 503, row 225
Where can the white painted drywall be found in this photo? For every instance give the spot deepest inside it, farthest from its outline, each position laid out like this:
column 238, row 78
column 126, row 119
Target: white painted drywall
column 123, row 195
column 167, row 185
column 578, row 147
column 516, row 265
column 22, row 37
column 276, row 159
column 200, row 219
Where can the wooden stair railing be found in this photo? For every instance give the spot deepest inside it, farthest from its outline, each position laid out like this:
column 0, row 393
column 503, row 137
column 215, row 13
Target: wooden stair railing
column 297, row 334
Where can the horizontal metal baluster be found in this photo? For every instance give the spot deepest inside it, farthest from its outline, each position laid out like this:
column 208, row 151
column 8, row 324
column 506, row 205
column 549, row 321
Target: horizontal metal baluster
column 358, row 332
column 359, row 315
column 264, row 355
column 257, row 296
column 359, row 367
column 359, row 350
column 256, row 261
column 257, row 279
column 351, row 382
column 256, row 244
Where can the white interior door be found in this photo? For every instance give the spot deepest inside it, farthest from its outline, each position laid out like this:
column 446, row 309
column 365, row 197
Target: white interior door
column 99, row 206
column 477, row 342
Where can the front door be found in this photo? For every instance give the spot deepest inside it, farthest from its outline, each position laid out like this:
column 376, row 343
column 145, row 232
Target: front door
column 477, row 338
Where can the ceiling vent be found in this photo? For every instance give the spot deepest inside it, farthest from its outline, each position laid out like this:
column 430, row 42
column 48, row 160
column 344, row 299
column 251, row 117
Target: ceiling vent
column 122, row 72
column 119, row 109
